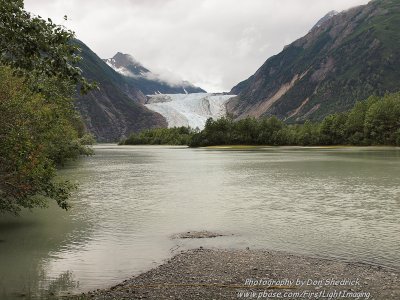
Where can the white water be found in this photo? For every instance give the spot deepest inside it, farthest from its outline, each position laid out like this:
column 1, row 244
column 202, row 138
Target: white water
column 189, row 109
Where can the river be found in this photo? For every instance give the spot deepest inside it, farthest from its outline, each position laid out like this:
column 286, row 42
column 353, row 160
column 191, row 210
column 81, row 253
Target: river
column 326, row 202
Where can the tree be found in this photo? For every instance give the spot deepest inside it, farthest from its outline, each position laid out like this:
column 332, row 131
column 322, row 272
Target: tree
column 161, row 136
column 308, row 134
column 26, row 167
column 34, row 47
column 246, row 131
column 354, row 127
column 382, row 120
column 268, row 131
column 39, row 127
column 333, row 128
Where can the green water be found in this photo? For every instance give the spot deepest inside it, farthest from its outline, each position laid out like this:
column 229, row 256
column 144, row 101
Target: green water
column 339, row 203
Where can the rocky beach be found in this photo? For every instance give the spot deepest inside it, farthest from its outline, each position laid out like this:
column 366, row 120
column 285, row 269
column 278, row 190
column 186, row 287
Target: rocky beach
column 255, row 274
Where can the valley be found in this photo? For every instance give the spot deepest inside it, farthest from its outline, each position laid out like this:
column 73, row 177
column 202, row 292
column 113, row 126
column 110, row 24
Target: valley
column 345, row 57
column 121, row 177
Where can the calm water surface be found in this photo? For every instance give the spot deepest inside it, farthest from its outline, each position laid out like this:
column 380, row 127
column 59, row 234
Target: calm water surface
column 341, row 203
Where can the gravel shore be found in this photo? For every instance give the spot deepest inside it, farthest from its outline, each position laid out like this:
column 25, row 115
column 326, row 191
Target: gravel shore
column 255, row 274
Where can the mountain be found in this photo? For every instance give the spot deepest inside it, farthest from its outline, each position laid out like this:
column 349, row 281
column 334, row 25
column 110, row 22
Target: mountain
column 347, row 57
column 189, row 109
column 324, row 19
column 147, row 81
column 126, row 65
column 115, row 109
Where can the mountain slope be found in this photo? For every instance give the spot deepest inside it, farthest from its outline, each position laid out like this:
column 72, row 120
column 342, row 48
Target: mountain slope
column 348, row 57
column 115, row 110
column 147, row 81
column 325, row 18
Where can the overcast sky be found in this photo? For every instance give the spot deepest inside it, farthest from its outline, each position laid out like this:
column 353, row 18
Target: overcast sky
column 212, row 43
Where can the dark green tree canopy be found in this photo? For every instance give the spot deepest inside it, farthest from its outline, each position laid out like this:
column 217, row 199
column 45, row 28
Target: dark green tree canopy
column 375, row 121
column 372, row 122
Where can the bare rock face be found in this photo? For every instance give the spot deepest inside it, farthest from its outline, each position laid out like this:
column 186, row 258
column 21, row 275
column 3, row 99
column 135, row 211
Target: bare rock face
column 116, row 109
column 345, row 57
column 325, row 18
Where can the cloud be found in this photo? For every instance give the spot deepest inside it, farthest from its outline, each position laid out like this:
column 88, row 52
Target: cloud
column 161, row 75
column 166, row 76
column 212, row 43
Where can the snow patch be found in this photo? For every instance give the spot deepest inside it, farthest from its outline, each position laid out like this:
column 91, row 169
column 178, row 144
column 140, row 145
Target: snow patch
column 120, row 70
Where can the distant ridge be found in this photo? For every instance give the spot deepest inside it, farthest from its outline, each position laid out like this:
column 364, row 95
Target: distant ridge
column 148, row 82
column 325, row 18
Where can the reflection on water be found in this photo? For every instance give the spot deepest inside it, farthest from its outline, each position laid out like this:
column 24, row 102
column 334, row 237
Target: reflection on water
column 323, row 202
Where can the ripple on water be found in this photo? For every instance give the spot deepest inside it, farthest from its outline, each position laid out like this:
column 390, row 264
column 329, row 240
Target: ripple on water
column 333, row 203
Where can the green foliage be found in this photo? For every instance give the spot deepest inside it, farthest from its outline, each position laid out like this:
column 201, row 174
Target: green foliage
column 34, row 47
column 372, row 122
column 355, row 123
column 333, row 128
column 382, row 120
column 35, row 136
column 39, row 126
column 161, row 136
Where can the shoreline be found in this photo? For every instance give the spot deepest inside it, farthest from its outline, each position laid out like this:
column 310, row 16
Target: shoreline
column 255, row 274
column 301, row 147
column 390, row 147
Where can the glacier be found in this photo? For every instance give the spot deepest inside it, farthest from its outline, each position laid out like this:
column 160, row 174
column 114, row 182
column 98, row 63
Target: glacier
column 191, row 110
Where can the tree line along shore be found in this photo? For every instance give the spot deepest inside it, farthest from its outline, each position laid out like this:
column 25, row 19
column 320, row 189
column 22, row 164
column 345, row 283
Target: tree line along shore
column 375, row 121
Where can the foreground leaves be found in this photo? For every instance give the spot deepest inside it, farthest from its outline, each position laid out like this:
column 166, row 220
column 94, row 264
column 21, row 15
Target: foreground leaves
column 35, row 47
column 39, row 127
